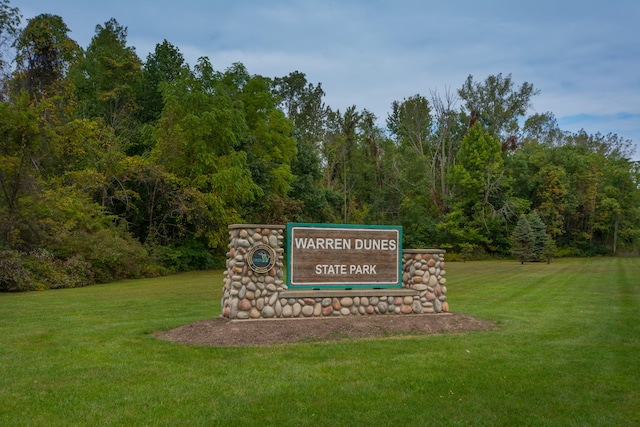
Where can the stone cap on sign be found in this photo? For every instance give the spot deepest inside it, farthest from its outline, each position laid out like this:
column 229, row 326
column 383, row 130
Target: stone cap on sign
column 234, row 226
column 423, row 251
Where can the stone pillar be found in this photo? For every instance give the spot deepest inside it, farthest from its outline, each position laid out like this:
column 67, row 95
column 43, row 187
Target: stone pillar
column 423, row 270
column 255, row 270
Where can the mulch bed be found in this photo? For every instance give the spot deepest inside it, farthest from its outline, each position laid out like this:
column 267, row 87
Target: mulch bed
column 223, row 332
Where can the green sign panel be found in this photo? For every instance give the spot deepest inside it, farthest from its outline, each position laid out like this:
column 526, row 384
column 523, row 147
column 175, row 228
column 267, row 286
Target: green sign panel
column 343, row 256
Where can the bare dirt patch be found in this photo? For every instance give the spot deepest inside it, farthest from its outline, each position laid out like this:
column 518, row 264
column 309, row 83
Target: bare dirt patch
column 223, row 332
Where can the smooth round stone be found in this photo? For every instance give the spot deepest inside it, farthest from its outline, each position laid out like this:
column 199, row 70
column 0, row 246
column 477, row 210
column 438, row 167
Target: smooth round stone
column 345, row 311
column 317, row 310
column 408, row 300
column 326, row 302
column 273, row 241
column 416, row 307
column 437, row 306
column 244, row 305
column 364, row 301
column 255, row 314
column 373, row 301
column 297, row 309
column 242, row 293
column 260, row 304
column 406, row 309
column 346, row 302
column 383, row 306
column 420, row 287
column 268, row 311
column 242, row 315
column 307, row 311
column 287, row 311
column 326, row 311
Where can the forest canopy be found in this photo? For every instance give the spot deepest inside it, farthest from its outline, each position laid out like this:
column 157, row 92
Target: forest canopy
column 114, row 166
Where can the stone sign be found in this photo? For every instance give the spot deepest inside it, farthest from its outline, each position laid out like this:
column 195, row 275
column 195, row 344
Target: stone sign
column 343, row 256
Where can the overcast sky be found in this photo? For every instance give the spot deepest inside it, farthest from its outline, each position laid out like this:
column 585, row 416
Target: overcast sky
column 583, row 55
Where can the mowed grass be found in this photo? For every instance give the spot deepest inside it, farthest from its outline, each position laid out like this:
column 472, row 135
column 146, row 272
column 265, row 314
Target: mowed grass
column 566, row 352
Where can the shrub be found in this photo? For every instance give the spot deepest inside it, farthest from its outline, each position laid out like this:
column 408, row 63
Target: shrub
column 190, row 254
column 14, row 277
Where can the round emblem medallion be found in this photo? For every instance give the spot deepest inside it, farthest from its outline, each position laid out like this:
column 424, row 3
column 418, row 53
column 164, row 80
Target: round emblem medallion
column 261, row 258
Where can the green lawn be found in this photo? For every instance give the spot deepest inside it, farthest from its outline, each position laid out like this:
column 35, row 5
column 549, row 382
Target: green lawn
column 567, row 352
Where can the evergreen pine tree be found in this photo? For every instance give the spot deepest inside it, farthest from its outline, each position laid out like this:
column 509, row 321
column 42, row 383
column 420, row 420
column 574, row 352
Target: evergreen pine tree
column 539, row 235
column 522, row 240
column 549, row 248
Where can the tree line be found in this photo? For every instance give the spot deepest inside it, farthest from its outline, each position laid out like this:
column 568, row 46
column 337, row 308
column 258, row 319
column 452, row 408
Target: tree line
column 116, row 167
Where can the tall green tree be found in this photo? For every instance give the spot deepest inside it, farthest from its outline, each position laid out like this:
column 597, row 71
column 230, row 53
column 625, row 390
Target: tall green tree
column 497, row 104
column 302, row 103
column 107, row 78
column 44, row 54
column 21, row 150
column 198, row 140
column 483, row 203
column 164, row 65
column 522, row 240
column 10, row 18
column 538, row 235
